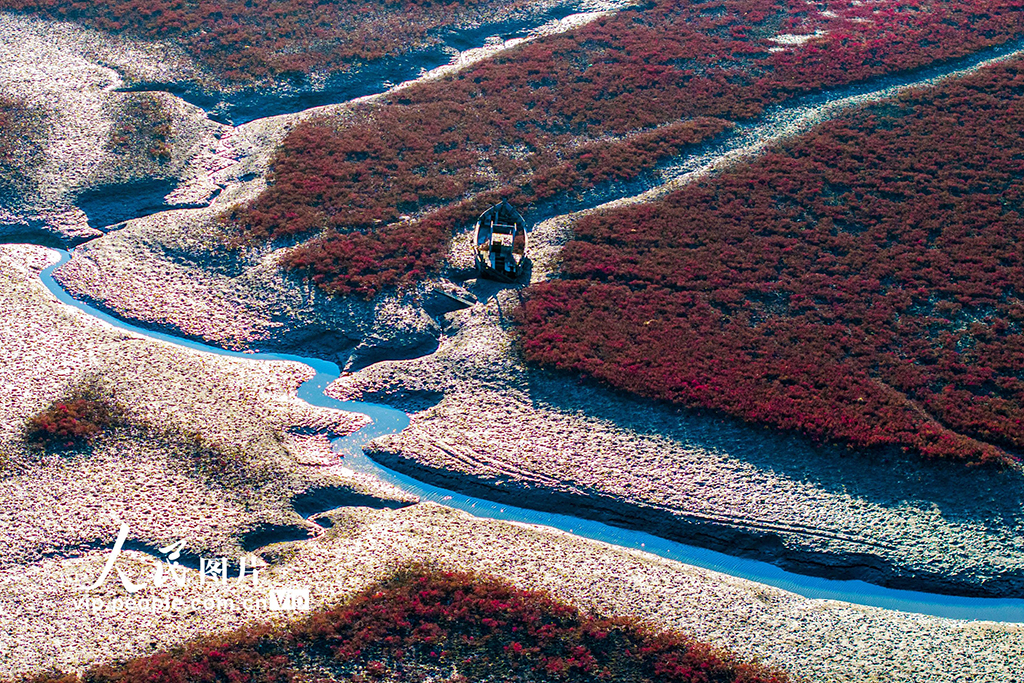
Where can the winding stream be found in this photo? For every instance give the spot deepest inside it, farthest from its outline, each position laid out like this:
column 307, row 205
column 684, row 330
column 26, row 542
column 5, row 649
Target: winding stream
column 388, row 420
column 749, row 138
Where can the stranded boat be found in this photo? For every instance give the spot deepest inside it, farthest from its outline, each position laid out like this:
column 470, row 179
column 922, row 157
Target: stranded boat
column 501, row 243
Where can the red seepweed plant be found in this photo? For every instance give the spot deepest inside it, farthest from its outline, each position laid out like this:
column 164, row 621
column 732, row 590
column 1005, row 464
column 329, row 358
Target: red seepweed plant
column 425, row 622
column 861, row 284
column 74, row 420
column 146, row 124
column 249, row 41
column 565, row 113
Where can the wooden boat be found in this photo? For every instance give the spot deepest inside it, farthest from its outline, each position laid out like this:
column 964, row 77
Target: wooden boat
column 501, row 243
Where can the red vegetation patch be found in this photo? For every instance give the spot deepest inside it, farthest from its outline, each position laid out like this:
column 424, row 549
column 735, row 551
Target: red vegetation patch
column 865, row 283
column 252, row 40
column 322, row 178
column 17, row 144
column 435, row 622
column 70, row 423
column 145, row 124
column 539, row 118
column 8, row 113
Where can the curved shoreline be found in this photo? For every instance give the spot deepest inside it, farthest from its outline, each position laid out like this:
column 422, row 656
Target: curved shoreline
column 764, row 544
column 388, row 420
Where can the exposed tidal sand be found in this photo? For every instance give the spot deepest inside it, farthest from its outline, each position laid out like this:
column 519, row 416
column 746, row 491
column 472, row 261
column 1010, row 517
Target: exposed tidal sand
column 243, row 299
column 174, row 259
column 189, row 284
column 43, row 625
column 214, row 448
column 69, row 77
column 486, row 423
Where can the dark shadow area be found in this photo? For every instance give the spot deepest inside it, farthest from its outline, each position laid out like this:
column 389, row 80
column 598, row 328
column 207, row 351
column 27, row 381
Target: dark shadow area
column 322, row 520
column 740, row 538
column 406, row 400
column 437, row 303
column 485, row 289
column 370, row 78
column 111, row 204
column 316, row 501
column 982, row 495
column 415, row 346
column 38, row 235
column 266, row 534
column 318, row 342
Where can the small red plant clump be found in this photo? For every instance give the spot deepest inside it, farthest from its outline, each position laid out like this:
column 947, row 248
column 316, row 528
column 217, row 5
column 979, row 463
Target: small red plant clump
column 604, row 102
column 436, row 621
column 70, row 423
column 865, row 283
column 17, row 146
column 249, row 655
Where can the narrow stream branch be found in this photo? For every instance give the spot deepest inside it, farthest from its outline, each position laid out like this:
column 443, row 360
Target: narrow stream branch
column 387, row 420
column 748, row 140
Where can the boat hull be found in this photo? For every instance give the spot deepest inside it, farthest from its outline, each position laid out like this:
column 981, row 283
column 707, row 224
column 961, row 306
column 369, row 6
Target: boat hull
column 501, row 243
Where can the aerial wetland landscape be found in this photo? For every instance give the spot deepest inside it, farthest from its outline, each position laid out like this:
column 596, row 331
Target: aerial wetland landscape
column 529, row 340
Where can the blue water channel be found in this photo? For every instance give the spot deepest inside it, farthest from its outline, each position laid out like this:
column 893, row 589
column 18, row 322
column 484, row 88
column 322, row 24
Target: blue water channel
column 387, row 420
